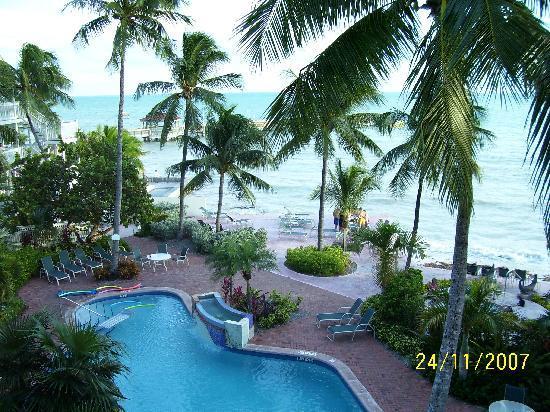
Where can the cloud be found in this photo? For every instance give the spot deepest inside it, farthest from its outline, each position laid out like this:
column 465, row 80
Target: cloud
column 42, row 23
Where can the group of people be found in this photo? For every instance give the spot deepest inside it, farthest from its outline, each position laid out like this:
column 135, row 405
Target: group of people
column 360, row 216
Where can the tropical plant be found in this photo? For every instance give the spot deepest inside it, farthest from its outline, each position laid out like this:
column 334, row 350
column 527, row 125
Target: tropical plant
column 193, row 78
column 37, row 84
column 408, row 156
column 388, row 240
column 508, row 56
column 78, row 187
column 233, row 145
column 54, row 366
column 480, row 314
column 346, row 190
column 295, row 121
column 242, row 251
column 137, row 22
column 329, row 261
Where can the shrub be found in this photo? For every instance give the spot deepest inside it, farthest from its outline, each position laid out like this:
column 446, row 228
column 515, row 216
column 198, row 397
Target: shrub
column 127, row 269
column 104, row 243
column 545, row 303
column 11, row 308
column 331, row 261
column 164, row 230
column 403, row 299
column 282, row 306
column 399, row 340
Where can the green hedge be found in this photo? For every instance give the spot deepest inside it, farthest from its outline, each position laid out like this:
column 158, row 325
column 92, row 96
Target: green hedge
column 330, row 261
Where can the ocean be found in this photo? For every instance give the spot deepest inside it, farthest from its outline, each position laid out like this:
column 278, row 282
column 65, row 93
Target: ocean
column 506, row 229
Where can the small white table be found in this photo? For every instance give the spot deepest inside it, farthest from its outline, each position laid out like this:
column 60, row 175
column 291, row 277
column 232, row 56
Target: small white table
column 509, row 406
column 159, row 259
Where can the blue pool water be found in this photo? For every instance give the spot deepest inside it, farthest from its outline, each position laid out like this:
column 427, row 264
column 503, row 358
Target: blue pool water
column 174, row 366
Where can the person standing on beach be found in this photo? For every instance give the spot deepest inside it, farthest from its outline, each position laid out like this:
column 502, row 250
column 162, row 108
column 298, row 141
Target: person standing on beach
column 362, row 218
column 336, row 215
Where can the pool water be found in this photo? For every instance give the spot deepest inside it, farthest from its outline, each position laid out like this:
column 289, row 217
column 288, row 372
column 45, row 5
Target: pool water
column 174, row 366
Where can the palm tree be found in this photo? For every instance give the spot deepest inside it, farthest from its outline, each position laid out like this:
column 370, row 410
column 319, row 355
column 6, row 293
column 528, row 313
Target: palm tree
column 508, row 56
column 193, row 78
column 137, row 22
column 233, row 145
column 347, row 189
column 57, row 367
column 408, row 155
column 37, row 84
column 480, row 315
column 296, row 119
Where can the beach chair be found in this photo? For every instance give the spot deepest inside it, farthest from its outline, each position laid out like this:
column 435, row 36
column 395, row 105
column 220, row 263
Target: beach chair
column 138, row 258
column 101, row 254
column 70, row 266
column 340, row 316
column 514, row 393
column 183, row 256
column 162, row 248
column 52, row 271
column 86, row 261
column 352, row 328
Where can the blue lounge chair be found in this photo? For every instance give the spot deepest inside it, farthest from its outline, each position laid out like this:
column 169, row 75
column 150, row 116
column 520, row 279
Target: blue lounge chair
column 69, row 265
column 140, row 259
column 100, row 253
column 340, row 316
column 352, row 328
column 51, row 271
column 86, row 261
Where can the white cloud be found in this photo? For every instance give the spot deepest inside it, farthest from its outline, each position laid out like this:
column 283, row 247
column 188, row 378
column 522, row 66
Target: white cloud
column 41, row 22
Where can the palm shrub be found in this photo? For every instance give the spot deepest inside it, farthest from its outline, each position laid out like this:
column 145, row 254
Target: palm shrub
column 388, row 240
column 53, row 366
column 242, row 251
column 194, row 84
column 346, row 190
column 480, row 315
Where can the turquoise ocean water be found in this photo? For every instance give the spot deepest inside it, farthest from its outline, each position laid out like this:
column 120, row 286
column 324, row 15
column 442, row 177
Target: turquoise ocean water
column 506, row 229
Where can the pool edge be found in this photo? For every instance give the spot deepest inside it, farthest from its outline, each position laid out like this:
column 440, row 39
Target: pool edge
column 361, row 393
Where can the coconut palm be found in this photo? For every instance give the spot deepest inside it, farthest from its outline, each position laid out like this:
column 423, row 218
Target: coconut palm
column 508, row 56
column 137, row 22
column 347, row 189
column 296, row 121
column 57, row 367
column 407, row 155
column 480, row 315
column 233, row 145
column 193, row 78
column 37, row 84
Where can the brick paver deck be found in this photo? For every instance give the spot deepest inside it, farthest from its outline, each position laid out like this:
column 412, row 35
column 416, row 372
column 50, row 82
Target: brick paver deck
column 392, row 384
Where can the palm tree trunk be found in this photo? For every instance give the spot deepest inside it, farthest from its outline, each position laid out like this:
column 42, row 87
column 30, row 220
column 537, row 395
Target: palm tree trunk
column 415, row 224
column 322, row 194
column 220, row 199
column 464, row 349
column 453, row 321
column 118, row 181
column 183, row 167
column 34, row 132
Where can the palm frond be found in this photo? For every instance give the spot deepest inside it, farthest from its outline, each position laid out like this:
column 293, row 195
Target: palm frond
column 198, row 181
column 224, row 81
column 153, row 87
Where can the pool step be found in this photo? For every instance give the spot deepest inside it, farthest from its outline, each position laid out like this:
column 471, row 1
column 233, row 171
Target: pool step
column 113, row 321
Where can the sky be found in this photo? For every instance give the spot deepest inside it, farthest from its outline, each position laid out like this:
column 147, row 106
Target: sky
column 41, row 22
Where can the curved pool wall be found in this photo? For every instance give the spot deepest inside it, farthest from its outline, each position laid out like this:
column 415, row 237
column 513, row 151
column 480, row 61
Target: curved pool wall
column 360, row 394
column 224, row 323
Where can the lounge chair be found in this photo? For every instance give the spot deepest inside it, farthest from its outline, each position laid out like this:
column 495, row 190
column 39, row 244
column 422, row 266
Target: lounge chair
column 183, row 256
column 340, row 316
column 162, row 248
column 514, row 393
column 140, row 259
column 52, row 271
column 69, row 265
column 86, row 261
column 100, row 253
column 352, row 328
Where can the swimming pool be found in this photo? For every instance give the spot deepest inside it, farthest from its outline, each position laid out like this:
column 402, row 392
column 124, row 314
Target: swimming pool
column 174, row 366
